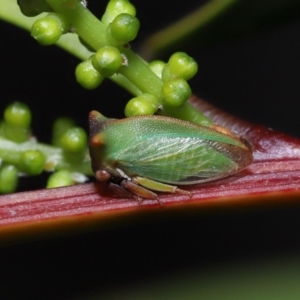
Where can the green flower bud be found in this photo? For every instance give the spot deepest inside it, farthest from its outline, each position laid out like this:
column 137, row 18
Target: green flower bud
column 74, row 140
column 107, row 60
column 17, row 115
column 60, row 126
column 124, row 28
column 182, row 65
column 146, row 104
column 8, row 179
column 32, row 162
column 47, row 30
column 17, row 119
column 175, row 92
column 87, row 76
column 116, row 7
column 60, row 178
column 156, row 67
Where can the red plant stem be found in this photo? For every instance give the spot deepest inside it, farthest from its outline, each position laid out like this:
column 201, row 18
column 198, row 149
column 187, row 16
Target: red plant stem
column 273, row 177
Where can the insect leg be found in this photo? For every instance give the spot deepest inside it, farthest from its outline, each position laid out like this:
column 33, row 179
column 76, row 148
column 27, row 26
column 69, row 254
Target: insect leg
column 104, row 177
column 158, row 186
column 138, row 190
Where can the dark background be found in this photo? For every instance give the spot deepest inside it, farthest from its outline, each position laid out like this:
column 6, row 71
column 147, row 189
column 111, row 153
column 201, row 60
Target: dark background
column 255, row 77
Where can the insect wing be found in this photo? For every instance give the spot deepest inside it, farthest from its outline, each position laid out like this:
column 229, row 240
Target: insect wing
column 179, row 160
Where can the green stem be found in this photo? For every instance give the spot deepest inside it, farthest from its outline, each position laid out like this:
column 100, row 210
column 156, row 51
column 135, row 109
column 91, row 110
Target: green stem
column 85, row 24
column 137, row 71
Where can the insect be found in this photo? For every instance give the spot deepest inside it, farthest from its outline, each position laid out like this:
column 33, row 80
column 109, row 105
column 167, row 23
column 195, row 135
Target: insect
column 141, row 155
